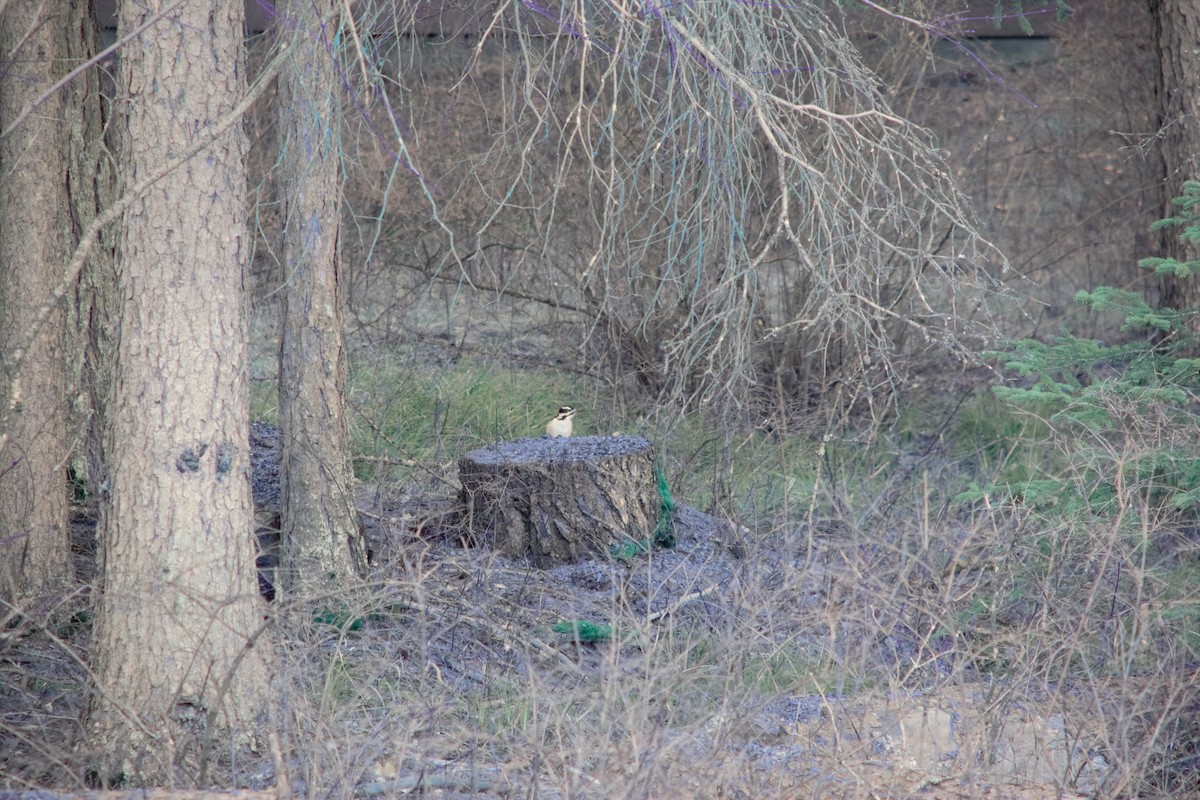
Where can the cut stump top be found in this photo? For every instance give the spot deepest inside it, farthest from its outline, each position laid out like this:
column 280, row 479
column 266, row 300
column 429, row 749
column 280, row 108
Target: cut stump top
column 544, row 449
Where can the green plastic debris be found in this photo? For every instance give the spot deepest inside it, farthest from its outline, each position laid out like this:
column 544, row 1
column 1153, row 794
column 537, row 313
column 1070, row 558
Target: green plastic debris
column 664, row 529
column 338, row 619
column 664, row 532
column 582, row 630
column 630, row 548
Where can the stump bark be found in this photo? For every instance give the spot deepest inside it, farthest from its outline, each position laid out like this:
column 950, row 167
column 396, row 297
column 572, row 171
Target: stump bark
column 560, row 500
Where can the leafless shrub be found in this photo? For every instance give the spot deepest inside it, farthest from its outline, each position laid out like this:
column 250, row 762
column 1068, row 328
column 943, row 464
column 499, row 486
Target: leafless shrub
column 719, row 199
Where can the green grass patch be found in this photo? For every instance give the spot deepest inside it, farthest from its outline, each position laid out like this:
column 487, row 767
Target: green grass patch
column 757, row 473
column 789, row 668
column 404, row 413
column 1001, row 444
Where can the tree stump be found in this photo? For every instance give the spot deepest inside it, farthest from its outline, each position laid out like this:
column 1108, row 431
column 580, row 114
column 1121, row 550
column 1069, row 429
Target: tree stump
column 560, row 500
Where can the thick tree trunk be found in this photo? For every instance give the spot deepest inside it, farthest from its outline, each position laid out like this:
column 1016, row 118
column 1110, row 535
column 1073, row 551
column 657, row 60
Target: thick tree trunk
column 560, row 500
column 178, row 658
column 1177, row 29
column 33, row 247
column 323, row 543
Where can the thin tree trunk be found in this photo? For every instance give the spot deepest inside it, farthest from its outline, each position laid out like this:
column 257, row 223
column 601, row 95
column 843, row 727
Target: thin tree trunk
column 178, row 657
column 1177, row 30
column 33, row 250
column 323, row 544
column 91, row 185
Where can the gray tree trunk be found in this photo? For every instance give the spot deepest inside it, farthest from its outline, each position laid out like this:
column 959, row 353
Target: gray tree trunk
column 92, row 187
column 34, row 540
column 1177, row 30
column 178, row 657
column 322, row 541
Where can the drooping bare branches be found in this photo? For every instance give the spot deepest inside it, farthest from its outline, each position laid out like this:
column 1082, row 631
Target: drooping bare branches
column 721, row 186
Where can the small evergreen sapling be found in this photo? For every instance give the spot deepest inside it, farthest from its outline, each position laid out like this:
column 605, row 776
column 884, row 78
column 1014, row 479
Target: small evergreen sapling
column 1124, row 415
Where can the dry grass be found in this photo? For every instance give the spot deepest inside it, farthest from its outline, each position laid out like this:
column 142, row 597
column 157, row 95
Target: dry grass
column 858, row 636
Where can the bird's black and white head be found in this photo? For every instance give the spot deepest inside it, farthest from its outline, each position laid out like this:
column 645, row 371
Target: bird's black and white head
column 561, row 424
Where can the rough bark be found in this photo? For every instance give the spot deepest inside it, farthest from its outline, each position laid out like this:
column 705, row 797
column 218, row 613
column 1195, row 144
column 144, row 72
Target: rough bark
column 323, row 543
column 91, row 186
column 178, row 656
column 143, row 794
column 556, row 501
column 33, row 251
column 1177, row 31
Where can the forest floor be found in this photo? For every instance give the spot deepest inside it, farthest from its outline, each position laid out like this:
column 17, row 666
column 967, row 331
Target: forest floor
column 738, row 663
column 784, row 720
column 742, row 663
column 844, row 633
